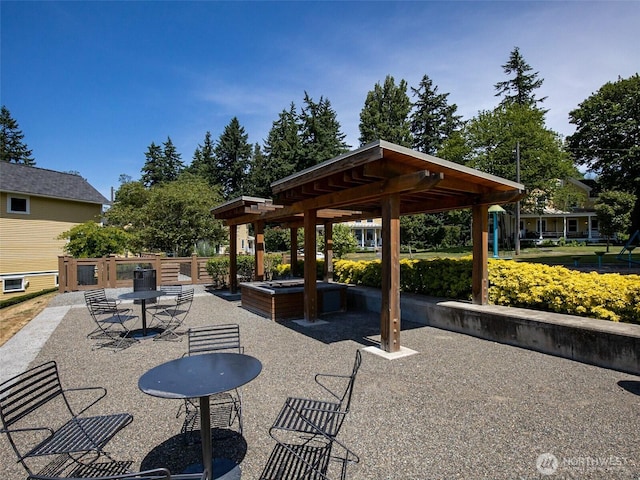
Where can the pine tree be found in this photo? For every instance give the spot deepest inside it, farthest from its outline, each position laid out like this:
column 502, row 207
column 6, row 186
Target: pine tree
column 204, row 160
column 162, row 164
column 259, row 183
column 433, row 120
column 233, row 154
column 283, row 147
column 320, row 133
column 520, row 88
column 12, row 148
column 385, row 114
column 173, row 165
column 152, row 171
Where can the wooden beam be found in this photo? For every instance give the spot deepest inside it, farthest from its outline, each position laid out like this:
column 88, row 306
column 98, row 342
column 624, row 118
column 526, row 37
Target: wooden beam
column 390, row 311
column 233, row 258
column 480, row 273
column 259, row 245
column 310, row 287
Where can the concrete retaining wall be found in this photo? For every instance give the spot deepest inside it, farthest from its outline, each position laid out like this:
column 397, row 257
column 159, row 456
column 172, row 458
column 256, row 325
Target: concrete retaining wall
column 597, row 342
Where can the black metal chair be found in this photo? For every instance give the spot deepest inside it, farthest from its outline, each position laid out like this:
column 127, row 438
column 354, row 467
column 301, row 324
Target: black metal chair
column 111, row 330
column 168, row 298
column 310, row 416
column 309, row 455
column 156, row 474
column 226, row 407
column 172, row 317
column 42, row 426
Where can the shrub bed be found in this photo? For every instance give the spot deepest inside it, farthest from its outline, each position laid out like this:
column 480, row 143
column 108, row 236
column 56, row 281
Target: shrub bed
column 556, row 289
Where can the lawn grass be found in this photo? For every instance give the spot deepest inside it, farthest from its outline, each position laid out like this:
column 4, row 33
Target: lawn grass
column 547, row 255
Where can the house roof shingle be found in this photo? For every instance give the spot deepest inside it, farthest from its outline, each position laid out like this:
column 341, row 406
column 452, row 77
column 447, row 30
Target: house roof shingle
column 22, row 179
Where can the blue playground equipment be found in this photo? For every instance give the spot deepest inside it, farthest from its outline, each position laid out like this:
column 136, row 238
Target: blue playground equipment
column 633, row 242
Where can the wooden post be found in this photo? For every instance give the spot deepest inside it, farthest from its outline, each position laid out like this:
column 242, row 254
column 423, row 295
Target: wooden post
column 233, row 258
column 113, row 272
column 194, row 268
column 259, row 258
column 293, row 252
column 62, row 274
column 390, row 311
column 328, row 252
column 480, row 273
column 310, row 287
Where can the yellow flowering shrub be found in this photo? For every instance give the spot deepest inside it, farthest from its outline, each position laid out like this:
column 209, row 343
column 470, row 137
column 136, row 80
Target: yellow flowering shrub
column 610, row 296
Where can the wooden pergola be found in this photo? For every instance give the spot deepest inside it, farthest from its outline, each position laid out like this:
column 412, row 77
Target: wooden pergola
column 380, row 179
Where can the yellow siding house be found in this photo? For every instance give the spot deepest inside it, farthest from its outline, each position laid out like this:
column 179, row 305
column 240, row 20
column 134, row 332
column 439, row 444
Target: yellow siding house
column 36, row 206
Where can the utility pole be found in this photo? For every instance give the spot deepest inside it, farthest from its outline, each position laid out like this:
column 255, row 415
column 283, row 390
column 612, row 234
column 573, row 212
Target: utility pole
column 517, row 246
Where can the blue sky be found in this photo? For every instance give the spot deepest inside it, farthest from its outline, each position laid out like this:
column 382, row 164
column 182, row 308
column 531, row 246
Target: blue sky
column 92, row 84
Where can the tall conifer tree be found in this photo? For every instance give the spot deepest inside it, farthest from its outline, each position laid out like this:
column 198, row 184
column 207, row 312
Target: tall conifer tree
column 233, row 153
column 12, row 147
column 433, row 119
column 519, row 89
column 385, row 114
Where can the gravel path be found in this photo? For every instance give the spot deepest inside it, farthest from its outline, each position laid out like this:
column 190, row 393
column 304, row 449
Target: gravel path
column 461, row 408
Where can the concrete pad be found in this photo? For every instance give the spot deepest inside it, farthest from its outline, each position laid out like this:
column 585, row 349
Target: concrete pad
column 307, row 323
column 403, row 352
column 22, row 348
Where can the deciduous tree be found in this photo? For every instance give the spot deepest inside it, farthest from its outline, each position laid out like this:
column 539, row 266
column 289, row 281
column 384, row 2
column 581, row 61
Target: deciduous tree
column 91, row 240
column 613, row 210
column 607, row 137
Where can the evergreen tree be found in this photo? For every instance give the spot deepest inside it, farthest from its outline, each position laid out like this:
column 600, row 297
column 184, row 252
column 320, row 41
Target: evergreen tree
column 173, row 165
column 233, row 153
column 152, row 171
column 283, row 147
column 385, row 114
column 520, row 88
column 204, row 160
column 433, row 120
column 161, row 164
column 12, row 148
column 320, row 133
column 259, row 184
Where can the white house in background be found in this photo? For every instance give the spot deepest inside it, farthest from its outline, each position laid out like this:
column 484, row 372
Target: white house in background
column 575, row 221
column 368, row 232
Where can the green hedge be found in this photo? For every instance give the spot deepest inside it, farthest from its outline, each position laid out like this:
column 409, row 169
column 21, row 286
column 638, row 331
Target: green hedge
column 529, row 285
column 22, row 298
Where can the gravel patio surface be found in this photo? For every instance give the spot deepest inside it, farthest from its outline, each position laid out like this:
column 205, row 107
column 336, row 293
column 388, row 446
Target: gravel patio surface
column 461, row 408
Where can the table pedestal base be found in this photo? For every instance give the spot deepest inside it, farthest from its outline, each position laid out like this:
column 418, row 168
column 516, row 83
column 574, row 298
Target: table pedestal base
column 223, row 469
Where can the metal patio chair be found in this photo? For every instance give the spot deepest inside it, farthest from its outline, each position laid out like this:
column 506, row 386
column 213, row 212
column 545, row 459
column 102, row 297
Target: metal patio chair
column 42, row 426
column 310, row 416
column 226, row 407
column 172, row 317
column 155, row 474
column 306, row 456
column 168, row 298
column 111, row 321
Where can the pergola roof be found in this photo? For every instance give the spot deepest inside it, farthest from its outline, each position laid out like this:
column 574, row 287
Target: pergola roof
column 351, row 186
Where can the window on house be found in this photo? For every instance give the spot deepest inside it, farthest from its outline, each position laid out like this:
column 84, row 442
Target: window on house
column 594, row 224
column 17, row 204
column 572, row 225
column 15, row 284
